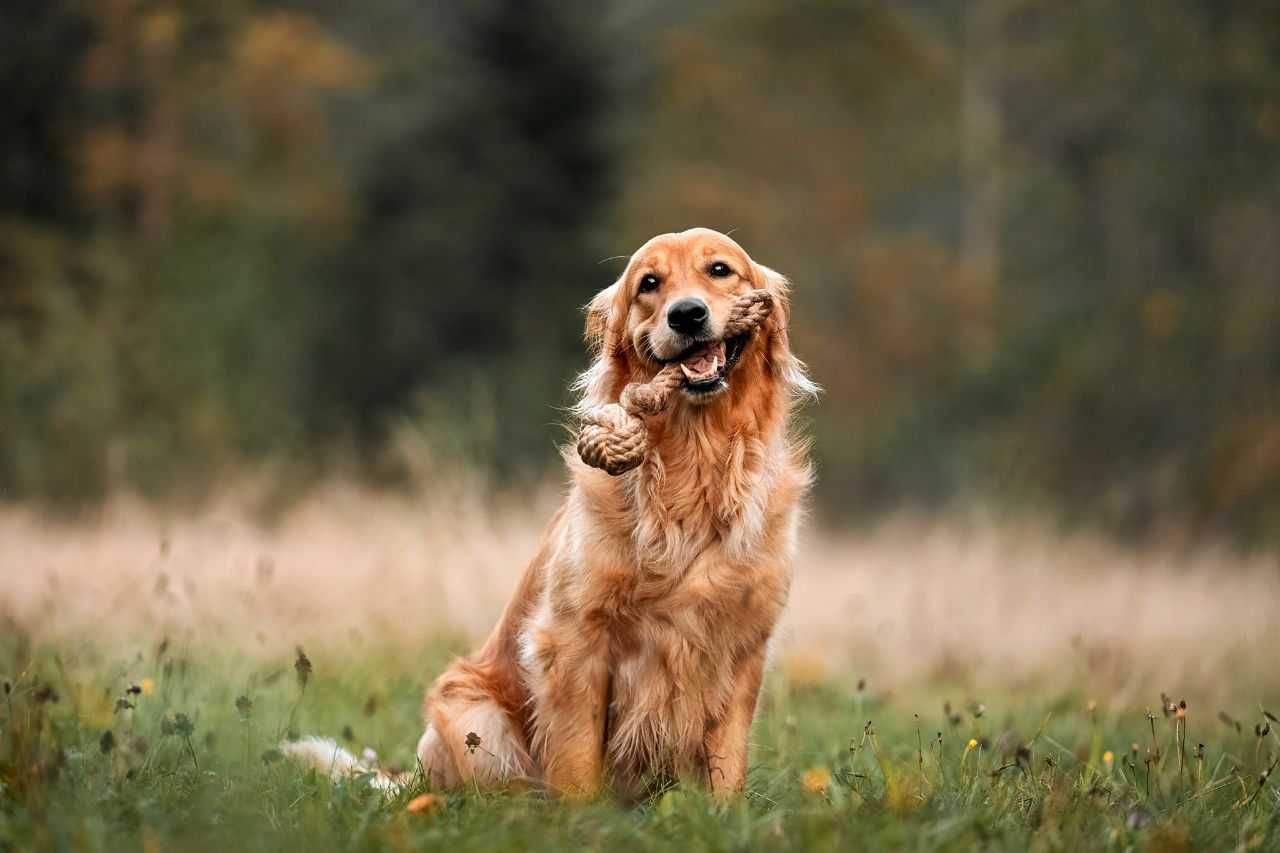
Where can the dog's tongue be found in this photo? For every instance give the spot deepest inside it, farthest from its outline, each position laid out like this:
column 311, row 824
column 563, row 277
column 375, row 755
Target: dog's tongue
column 704, row 363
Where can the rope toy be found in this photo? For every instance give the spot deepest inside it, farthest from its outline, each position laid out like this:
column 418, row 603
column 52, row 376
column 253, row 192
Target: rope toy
column 614, row 437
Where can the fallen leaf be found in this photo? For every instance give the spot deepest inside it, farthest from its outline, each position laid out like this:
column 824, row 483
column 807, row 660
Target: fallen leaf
column 423, row 804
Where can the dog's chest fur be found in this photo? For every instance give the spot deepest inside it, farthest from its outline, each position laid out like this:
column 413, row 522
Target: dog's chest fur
column 675, row 643
column 703, row 488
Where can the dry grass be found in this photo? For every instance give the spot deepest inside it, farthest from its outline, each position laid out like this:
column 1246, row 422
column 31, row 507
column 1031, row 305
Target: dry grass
column 972, row 603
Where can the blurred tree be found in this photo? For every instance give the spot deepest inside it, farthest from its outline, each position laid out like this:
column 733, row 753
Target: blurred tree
column 1135, row 136
column 41, row 45
column 479, row 233
column 1033, row 242
column 1008, row 225
column 41, row 294
column 164, row 305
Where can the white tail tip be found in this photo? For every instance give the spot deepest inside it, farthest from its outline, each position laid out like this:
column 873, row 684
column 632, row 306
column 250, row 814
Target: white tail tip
column 325, row 755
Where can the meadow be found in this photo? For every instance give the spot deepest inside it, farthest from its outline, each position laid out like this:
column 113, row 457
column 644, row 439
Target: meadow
column 938, row 686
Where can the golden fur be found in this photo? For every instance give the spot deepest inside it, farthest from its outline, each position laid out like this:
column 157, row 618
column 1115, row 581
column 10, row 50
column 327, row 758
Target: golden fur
column 633, row 648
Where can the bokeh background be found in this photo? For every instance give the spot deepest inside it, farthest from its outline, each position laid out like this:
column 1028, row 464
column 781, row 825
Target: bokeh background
column 1034, row 244
column 290, row 302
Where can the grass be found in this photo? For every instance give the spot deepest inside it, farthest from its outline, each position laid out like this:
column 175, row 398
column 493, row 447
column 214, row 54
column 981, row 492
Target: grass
column 173, row 748
column 939, row 686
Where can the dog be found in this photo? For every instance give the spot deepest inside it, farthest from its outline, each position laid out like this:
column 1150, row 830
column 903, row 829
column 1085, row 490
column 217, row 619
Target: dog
column 632, row 651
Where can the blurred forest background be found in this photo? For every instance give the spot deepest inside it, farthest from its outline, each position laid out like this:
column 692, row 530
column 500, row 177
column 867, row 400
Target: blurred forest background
column 1036, row 245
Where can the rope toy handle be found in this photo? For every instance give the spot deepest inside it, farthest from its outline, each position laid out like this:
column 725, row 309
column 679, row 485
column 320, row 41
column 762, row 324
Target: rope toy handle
column 614, row 437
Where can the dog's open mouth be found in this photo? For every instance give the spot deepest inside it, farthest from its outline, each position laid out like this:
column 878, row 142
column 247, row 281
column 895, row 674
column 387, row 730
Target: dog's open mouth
column 706, row 367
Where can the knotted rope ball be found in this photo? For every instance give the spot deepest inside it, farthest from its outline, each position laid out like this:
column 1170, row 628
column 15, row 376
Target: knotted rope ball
column 614, row 437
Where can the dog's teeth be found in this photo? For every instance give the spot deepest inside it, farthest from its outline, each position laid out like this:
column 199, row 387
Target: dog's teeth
column 688, row 374
column 715, row 364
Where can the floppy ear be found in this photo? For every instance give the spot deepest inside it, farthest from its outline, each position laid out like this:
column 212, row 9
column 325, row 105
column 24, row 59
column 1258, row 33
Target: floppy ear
column 790, row 369
column 778, row 285
column 600, row 382
column 599, row 313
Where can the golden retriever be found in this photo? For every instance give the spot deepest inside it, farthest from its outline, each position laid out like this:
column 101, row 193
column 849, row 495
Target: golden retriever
column 633, row 649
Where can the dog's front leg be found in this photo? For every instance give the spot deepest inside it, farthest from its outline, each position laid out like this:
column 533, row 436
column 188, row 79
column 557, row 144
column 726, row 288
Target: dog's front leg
column 726, row 740
column 572, row 716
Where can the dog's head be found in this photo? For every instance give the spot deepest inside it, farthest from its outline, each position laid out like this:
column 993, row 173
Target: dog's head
column 672, row 305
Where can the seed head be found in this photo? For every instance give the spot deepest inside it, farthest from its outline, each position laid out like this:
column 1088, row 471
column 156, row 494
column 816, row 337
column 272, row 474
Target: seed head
column 179, row 724
column 302, row 666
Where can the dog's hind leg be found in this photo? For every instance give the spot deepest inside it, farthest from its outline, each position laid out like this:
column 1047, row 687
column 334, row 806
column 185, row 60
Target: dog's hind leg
column 470, row 737
column 437, row 764
column 481, row 742
column 473, row 710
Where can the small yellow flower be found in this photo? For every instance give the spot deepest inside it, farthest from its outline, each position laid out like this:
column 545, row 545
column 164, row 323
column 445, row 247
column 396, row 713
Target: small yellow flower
column 973, row 743
column 816, row 780
column 1108, row 758
column 423, row 804
column 150, row 841
column 148, row 687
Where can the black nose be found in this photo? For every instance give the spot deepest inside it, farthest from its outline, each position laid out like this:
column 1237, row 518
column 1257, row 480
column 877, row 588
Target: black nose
column 687, row 316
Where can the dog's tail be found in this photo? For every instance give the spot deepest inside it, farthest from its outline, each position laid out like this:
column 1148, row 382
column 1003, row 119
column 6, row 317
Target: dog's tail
column 324, row 754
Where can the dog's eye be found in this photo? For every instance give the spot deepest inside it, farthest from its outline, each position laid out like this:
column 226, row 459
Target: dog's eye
column 720, row 270
column 649, row 283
